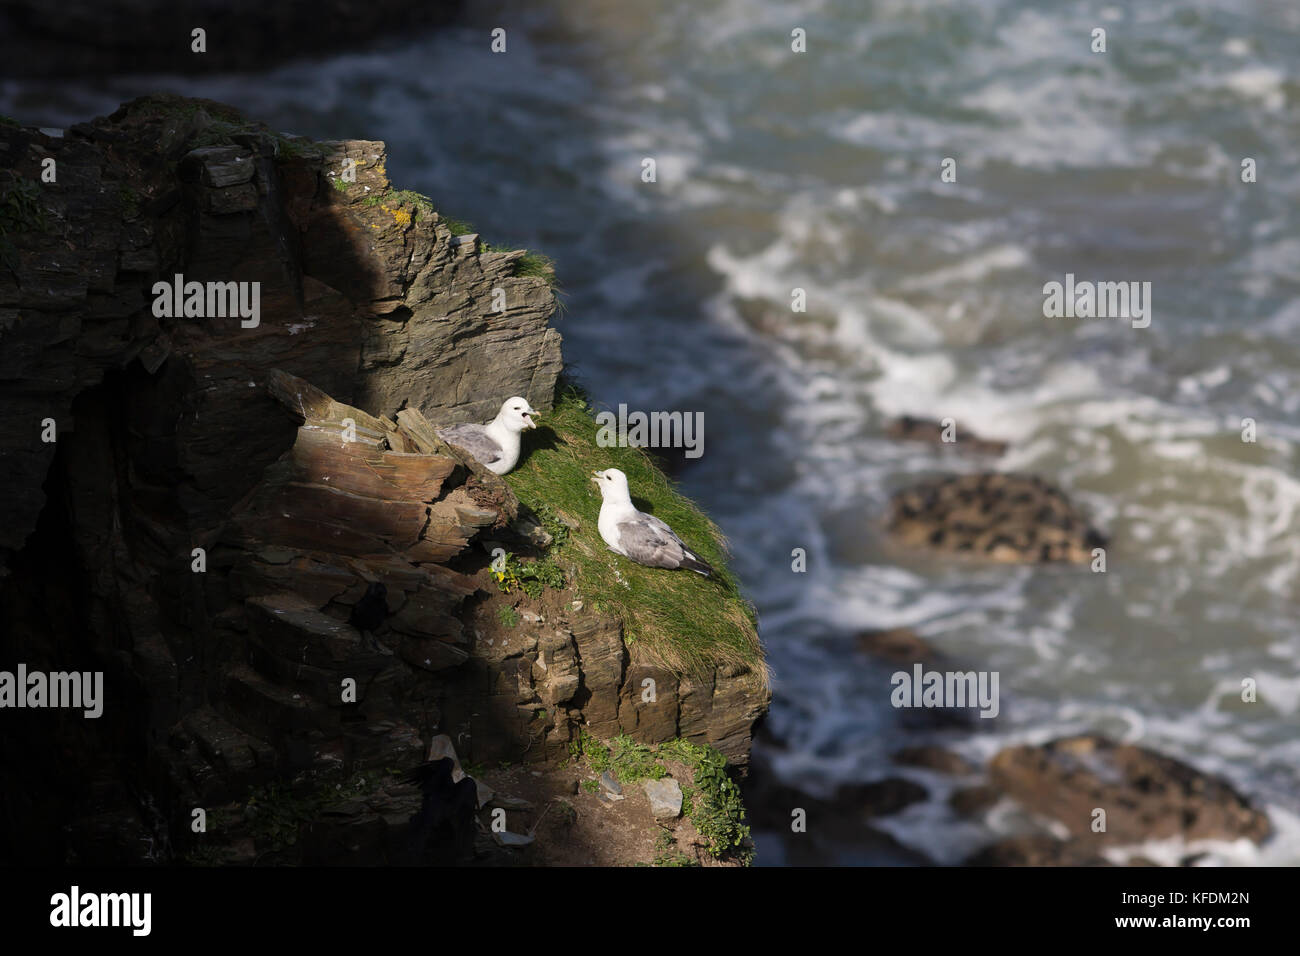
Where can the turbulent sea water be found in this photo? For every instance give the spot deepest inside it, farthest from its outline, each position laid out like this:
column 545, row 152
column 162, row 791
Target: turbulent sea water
column 821, row 171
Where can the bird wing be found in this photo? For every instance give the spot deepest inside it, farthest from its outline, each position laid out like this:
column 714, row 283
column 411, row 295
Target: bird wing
column 475, row 440
column 647, row 540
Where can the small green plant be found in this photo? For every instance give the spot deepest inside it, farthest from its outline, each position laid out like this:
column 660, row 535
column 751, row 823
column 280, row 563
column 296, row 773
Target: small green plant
column 667, row 853
column 277, row 811
column 409, row 197
column 627, row 759
column 552, row 524
column 713, row 804
column 716, row 807
column 531, row 577
column 529, row 264
column 591, row 786
column 458, row 227
column 129, row 199
column 597, row 754
column 535, row 264
column 542, row 574
column 205, row 855
column 632, row 761
column 20, row 211
column 339, row 185
column 286, row 148
column 508, row 615
column 397, row 199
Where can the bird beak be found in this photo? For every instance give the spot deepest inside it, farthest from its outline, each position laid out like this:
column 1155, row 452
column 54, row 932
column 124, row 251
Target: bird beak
column 528, row 420
column 597, row 475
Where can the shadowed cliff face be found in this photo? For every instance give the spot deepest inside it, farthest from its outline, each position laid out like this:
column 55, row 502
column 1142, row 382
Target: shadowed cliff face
column 371, row 300
column 297, row 454
column 38, row 39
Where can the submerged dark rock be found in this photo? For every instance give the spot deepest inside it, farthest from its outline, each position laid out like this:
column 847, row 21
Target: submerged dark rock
column 973, row 801
column 933, row 758
column 898, row 645
column 994, row 517
column 880, row 798
column 908, row 428
column 1146, row 795
column 1038, row 850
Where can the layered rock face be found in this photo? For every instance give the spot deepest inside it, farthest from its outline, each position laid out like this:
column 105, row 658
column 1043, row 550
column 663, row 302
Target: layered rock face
column 372, row 300
column 221, row 493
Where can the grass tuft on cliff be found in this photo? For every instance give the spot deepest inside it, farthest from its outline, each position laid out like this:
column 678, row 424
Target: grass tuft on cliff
column 711, row 800
column 676, row 619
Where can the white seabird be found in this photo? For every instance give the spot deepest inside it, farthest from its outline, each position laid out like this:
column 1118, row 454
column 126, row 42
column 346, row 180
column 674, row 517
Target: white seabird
column 496, row 444
column 636, row 535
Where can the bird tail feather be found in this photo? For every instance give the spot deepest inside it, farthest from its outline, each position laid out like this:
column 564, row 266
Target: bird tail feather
column 692, row 562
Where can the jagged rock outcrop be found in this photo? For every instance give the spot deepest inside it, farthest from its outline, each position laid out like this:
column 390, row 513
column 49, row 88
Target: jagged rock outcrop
column 220, row 494
column 364, row 292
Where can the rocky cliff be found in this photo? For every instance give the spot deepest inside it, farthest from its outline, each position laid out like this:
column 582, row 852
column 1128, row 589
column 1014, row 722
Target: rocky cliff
column 196, row 502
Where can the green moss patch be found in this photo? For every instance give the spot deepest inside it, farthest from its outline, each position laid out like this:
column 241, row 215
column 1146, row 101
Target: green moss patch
column 628, row 760
column 712, row 800
column 532, row 577
column 20, row 211
column 536, row 264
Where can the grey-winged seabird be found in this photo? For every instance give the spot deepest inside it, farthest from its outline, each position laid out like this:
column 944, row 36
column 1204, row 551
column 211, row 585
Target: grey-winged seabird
column 496, row 444
column 636, row 535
